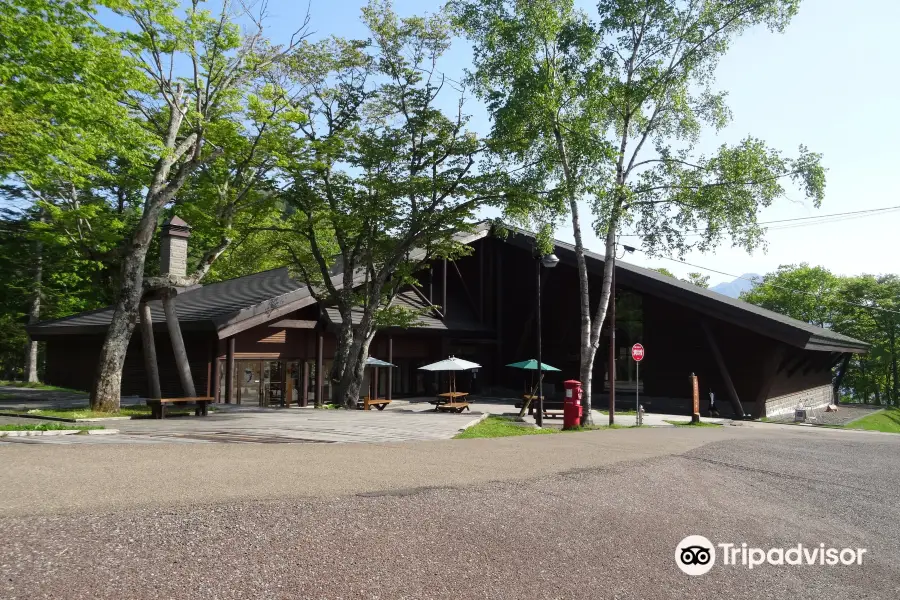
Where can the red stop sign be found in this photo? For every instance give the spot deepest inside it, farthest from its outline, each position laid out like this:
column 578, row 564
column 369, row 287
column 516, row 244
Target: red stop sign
column 637, row 352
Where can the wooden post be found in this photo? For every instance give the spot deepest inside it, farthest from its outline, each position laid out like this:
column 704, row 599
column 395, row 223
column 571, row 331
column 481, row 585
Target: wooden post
column 181, row 357
column 320, row 377
column 723, row 370
column 376, row 383
column 149, row 346
column 390, row 384
column 229, row 371
column 304, row 395
column 695, row 411
column 209, row 370
column 481, row 245
column 217, row 373
column 287, row 388
column 444, row 289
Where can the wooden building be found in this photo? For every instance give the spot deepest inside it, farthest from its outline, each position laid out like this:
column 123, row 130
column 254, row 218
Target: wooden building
column 280, row 342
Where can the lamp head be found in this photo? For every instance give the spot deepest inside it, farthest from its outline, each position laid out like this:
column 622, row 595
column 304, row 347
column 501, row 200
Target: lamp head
column 549, row 261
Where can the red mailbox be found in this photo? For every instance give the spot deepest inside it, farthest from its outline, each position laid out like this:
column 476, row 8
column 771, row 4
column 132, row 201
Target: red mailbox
column 572, row 404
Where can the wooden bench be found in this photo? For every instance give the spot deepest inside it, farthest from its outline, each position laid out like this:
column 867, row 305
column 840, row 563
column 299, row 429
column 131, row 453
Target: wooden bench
column 158, row 406
column 367, row 403
column 453, row 407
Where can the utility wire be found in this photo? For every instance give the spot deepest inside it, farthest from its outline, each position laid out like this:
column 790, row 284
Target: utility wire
column 802, row 221
column 760, row 281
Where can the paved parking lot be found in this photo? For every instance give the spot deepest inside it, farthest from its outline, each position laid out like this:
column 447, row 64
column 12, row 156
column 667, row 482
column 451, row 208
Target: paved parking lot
column 598, row 516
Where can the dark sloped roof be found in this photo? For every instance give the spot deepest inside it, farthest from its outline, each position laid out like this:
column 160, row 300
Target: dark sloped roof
column 207, row 305
column 714, row 304
column 227, row 306
column 456, row 319
column 236, row 304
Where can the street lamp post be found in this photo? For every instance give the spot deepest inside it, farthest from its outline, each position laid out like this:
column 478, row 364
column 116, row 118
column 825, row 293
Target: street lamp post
column 548, row 261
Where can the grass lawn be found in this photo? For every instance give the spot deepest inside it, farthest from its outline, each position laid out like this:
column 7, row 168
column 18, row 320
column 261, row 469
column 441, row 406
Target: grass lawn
column 141, row 410
column 506, row 427
column 690, row 424
column 48, row 427
column 38, row 386
column 887, row 420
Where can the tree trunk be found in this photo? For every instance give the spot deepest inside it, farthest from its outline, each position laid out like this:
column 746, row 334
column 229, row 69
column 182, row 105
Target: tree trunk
column 150, row 363
column 181, row 357
column 585, row 353
column 342, row 348
column 34, row 315
column 107, row 389
column 355, row 371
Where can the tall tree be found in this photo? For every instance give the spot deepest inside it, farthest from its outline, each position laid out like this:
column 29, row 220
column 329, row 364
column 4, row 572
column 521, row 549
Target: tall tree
column 381, row 179
column 197, row 70
column 578, row 101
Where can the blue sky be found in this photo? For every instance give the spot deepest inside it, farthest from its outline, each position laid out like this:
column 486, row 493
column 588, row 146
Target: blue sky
column 829, row 82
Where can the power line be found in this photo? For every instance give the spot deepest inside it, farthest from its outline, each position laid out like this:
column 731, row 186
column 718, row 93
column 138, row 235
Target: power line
column 800, row 221
column 759, row 281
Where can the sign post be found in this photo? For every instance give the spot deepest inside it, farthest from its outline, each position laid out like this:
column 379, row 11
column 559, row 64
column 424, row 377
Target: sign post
column 637, row 353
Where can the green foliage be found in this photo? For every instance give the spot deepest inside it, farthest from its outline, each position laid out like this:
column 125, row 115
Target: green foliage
column 698, row 279
column 381, row 180
column 865, row 307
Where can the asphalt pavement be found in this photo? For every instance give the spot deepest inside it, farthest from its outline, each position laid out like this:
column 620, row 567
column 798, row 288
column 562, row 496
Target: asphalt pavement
column 582, row 515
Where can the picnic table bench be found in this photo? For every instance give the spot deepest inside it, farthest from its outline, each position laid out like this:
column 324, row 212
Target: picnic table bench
column 158, row 405
column 367, row 403
column 552, row 408
column 451, row 402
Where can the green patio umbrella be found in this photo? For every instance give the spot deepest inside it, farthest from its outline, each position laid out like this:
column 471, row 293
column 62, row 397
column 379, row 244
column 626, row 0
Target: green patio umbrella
column 532, row 365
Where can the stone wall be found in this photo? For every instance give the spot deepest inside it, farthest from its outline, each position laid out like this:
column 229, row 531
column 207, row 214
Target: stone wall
column 812, row 398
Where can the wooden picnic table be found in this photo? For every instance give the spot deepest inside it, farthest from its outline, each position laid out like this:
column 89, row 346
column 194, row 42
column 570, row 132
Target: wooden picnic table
column 452, row 402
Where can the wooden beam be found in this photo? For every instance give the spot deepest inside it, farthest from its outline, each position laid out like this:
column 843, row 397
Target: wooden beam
column 465, row 288
column 801, row 360
column 422, row 297
column 723, row 369
column 229, row 370
column 771, row 366
column 294, row 324
column 181, row 357
column 149, row 346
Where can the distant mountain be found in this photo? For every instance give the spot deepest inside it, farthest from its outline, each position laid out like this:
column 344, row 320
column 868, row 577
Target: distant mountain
column 734, row 288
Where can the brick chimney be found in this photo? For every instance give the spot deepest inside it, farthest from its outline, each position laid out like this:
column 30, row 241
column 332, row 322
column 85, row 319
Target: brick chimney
column 174, row 247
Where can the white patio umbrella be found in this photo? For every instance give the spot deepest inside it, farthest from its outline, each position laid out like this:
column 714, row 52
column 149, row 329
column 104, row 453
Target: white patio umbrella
column 451, row 364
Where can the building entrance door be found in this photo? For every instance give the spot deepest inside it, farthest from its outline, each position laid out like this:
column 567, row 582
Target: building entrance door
column 273, row 383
